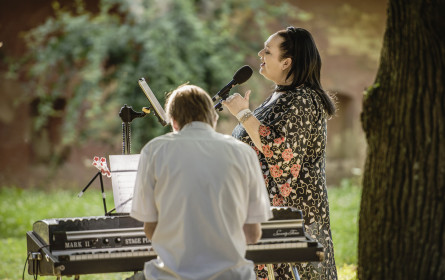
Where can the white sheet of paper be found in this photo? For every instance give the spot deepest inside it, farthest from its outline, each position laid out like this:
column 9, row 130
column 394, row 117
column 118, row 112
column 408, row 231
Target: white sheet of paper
column 123, row 176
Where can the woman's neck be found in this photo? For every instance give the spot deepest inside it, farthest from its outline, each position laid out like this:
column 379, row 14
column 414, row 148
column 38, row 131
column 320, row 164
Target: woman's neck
column 284, row 88
column 275, row 96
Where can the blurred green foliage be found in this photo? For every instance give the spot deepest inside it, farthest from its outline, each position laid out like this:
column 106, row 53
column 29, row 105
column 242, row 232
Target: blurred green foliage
column 93, row 60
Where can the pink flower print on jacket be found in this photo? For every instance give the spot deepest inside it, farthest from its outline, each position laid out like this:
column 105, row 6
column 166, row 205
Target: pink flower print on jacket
column 267, row 151
column 287, row 154
column 295, row 170
column 285, row 189
column 278, row 200
column 279, row 140
column 275, row 171
column 264, row 130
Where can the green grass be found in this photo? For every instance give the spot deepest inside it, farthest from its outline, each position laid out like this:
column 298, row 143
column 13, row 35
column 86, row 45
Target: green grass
column 344, row 204
column 19, row 209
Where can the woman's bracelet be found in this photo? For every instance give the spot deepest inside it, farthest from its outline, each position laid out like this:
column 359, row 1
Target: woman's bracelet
column 243, row 115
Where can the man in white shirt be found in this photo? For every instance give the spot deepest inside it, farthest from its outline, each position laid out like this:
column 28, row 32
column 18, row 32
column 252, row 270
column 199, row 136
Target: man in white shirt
column 200, row 194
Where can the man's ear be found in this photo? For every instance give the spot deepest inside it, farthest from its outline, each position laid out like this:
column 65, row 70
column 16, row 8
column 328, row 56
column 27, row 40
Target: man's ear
column 286, row 63
column 175, row 125
column 215, row 120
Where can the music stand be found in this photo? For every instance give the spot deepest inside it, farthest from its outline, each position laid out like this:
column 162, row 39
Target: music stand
column 127, row 115
column 99, row 173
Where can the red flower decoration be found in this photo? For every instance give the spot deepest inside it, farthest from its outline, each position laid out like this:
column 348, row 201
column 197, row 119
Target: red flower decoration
column 287, row 154
column 267, row 151
column 279, row 140
column 101, row 164
column 264, row 130
column 285, row 189
column 275, row 171
column 278, row 200
column 260, row 266
column 295, row 170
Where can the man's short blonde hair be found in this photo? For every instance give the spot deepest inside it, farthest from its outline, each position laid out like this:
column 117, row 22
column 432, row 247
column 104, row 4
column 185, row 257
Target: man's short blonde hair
column 190, row 103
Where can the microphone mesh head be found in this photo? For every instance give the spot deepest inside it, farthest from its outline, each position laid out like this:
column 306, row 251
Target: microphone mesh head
column 243, row 74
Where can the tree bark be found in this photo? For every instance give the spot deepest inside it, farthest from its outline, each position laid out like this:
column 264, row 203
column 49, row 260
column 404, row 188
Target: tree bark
column 402, row 213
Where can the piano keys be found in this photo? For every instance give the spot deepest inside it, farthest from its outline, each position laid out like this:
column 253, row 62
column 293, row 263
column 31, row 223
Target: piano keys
column 104, row 244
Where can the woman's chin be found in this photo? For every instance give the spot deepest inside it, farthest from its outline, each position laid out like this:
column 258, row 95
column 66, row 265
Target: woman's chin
column 262, row 72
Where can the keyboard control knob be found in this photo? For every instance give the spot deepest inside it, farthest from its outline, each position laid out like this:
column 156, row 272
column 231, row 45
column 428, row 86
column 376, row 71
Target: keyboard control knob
column 106, row 241
column 118, row 240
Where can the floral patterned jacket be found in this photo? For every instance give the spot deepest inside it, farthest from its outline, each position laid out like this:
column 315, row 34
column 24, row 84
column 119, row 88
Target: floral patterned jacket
column 293, row 134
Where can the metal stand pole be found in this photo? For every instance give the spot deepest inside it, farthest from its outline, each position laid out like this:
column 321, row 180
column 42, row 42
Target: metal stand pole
column 127, row 114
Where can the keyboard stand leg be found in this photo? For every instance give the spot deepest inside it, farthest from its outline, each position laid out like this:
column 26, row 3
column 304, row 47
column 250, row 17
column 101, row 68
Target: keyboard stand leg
column 294, row 271
column 270, row 271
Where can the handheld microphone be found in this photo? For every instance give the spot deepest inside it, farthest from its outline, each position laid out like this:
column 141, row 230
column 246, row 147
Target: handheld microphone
column 242, row 75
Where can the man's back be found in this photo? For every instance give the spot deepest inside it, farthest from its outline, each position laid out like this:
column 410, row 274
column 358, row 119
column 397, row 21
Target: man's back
column 202, row 185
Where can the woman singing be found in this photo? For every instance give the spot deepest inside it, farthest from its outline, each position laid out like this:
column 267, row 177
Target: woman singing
column 288, row 132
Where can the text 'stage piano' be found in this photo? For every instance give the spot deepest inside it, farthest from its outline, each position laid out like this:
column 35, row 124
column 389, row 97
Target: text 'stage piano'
column 88, row 245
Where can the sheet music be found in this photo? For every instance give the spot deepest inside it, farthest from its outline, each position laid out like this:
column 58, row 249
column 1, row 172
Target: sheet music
column 123, row 176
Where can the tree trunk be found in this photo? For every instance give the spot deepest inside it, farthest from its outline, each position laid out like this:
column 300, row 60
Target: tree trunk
column 402, row 214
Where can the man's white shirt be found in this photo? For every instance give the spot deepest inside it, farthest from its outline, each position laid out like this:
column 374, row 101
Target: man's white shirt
column 200, row 187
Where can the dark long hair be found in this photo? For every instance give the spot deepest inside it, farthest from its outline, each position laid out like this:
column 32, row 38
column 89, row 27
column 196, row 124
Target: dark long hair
column 299, row 45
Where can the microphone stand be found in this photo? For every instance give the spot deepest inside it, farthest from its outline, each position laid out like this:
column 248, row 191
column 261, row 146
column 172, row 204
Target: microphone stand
column 127, row 115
